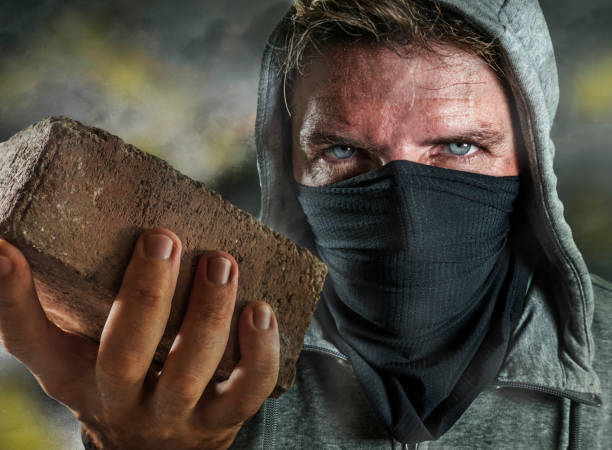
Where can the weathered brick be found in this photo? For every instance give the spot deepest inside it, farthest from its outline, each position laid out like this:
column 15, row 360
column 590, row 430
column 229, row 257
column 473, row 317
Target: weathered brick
column 74, row 199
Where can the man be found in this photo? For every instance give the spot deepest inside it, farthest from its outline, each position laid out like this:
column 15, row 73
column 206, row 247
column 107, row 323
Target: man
column 407, row 143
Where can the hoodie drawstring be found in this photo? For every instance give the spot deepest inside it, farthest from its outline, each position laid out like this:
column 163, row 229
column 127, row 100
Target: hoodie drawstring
column 574, row 426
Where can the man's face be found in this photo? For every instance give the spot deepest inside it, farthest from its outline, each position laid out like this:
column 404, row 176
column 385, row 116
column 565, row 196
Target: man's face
column 359, row 107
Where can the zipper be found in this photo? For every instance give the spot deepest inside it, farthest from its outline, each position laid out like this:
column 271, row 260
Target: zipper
column 270, row 412
column 316, row 348
column 574, row 397
column 587, row 399
column 271, row 404
column 575, row 441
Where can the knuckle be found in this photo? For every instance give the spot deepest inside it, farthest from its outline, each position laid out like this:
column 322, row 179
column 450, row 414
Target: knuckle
column 148, row 295
column 211, row 342
column 186, row 386
column 267, row 371
column 264, row 362
column 120, row 370
column 216, row 313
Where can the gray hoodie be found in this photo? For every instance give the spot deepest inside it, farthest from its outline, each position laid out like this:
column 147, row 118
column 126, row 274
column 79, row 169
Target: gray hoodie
column 554, row 389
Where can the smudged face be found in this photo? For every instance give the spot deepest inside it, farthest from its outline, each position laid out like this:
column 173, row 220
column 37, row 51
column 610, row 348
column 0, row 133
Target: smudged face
column 358, row 107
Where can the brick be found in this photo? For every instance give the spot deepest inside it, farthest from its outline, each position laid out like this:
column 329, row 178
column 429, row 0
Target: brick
column 74, row 199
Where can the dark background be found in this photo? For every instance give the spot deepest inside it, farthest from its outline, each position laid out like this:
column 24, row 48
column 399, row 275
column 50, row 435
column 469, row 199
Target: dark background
column 179, row 80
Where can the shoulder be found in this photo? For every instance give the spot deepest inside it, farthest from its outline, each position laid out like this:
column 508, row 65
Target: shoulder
column 602, row 318
column 601, row 288
column 596, row 422
column 602, row 293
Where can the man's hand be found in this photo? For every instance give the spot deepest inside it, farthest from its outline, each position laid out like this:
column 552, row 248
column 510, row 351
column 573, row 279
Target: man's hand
column 111, row 389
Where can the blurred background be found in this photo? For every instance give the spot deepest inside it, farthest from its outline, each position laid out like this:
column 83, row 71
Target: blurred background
column 179, row 80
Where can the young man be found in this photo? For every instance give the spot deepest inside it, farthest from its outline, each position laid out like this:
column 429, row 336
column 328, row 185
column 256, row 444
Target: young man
column 406, row 143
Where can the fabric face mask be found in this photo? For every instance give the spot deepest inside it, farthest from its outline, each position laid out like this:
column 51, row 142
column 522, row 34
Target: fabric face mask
column 423, row 288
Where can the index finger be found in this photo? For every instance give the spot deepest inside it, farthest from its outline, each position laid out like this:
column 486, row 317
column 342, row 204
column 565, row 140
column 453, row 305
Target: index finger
column 138, row 318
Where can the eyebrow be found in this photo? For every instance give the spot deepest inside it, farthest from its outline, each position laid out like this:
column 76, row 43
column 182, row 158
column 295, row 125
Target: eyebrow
column 482, row 135
column 320, row 138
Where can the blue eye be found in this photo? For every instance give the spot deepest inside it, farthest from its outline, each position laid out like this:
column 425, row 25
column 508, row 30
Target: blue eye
column 460, row 148
column 342, row 151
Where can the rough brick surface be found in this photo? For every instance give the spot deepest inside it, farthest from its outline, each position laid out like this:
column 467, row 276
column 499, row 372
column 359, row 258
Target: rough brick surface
column 74, row 199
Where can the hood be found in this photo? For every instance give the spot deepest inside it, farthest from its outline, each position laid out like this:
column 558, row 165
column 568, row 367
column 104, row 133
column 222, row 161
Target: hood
column 529, row 65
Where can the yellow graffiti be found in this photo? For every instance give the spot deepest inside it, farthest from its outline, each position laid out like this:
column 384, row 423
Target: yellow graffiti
column 21, row 425
column 593, row 94
column 157, row 104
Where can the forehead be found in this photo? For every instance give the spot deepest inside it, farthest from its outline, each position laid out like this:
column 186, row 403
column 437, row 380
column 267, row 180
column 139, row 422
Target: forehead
column 348, row 83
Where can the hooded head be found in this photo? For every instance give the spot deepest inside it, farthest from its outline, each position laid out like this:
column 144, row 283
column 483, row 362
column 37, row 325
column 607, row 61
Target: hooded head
column 524, row 58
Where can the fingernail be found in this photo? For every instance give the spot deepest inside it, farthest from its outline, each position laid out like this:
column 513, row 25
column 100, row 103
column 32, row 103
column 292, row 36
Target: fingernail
column 218, row 270
column 6, row 266
column 261, row 316
column 158, row 246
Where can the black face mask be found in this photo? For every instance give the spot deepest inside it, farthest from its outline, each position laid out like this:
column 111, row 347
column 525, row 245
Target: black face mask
column 423, row 289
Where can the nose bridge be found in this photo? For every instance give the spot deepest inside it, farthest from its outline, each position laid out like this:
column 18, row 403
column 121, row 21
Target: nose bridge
column 400, row 138
column 401, row 149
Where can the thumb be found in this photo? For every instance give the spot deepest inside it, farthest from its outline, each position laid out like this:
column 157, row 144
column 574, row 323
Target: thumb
column 23, row 324
column 48, row 352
